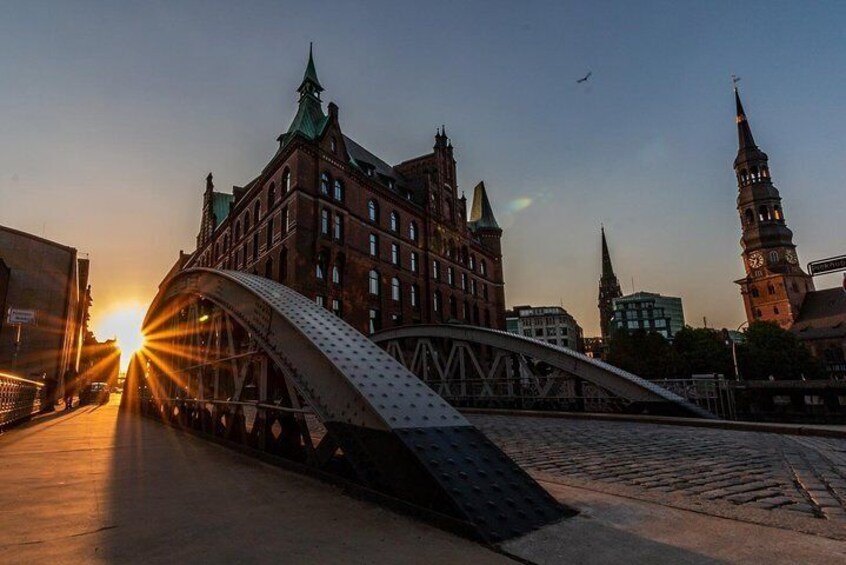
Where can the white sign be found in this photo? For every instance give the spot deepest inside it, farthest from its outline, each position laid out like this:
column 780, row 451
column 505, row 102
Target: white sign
column 22, row 317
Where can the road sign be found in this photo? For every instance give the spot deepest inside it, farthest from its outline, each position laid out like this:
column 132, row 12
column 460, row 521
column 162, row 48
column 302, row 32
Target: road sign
column 827, row 265
column 20, row 317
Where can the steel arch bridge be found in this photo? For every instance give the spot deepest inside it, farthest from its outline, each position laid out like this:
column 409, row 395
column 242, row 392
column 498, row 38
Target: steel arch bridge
column 249, row 361
column 478, row 367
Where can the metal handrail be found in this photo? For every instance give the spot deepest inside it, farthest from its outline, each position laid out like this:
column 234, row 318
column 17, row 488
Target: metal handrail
column 262, row 405
column 19, row 398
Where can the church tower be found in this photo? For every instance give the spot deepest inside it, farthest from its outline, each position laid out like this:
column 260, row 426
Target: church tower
column 609, row 289
column 775, row 285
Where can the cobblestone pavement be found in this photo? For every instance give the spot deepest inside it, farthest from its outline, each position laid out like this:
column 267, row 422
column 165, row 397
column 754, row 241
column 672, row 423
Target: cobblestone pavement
column 707, row 469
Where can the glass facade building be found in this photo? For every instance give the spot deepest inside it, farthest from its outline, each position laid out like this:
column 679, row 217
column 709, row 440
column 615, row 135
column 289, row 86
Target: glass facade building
column 649, row 312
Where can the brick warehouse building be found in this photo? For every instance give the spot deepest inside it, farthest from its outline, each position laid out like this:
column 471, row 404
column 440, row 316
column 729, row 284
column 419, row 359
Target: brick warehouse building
column 379, row 245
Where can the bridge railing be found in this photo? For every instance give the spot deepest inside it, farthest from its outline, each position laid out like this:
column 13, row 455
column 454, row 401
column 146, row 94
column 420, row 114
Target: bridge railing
column 713, row 393
column 19, row 399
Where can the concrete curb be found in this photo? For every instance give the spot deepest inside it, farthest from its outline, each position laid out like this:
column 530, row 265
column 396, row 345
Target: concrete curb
column 838, row 432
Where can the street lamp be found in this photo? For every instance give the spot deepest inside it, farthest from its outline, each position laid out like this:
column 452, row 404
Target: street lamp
column 734, row 351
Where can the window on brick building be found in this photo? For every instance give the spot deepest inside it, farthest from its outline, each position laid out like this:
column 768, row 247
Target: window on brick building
column 395, row 222
column 373, row 211
column 338, row 233
column 374, row 245
column 395, row 254
column 322, row 264
column 283, row 264
column 333, row 145
column 268, row 268
column 257, row 211
column 324, row 184
column 246, row 223
column 374, row 323
column 286, row 220
column 396, row 290
column 374, row 282
column 473, row 289
column 465, row 310
column 436, row 269
column 339, row 190
column 485, row 291
column 453, row 307
column 755, row 293
column 414, row 265
column 286, row 180
column 412, row 231
column 770, row 289
column 255, row 245
column 324, row 221
column 472, row 262
column 270, row 231
column 437, row 306
column 450, row 276
column 271, row 195
column 336, row 307
column 415, row 296
column 320, row 300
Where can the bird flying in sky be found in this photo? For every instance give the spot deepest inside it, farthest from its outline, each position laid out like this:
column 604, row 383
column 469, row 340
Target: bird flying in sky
column 584, row 78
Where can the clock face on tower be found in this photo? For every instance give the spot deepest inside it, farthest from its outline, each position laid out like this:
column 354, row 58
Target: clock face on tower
column 756, row 260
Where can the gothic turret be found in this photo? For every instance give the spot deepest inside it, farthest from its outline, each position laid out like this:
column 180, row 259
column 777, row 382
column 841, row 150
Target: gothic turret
column 310, row 119
column 775, row 284
column 609, row 289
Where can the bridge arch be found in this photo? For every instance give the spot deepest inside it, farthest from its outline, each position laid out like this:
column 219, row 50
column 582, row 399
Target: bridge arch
column 246, row 359
column 474, row 366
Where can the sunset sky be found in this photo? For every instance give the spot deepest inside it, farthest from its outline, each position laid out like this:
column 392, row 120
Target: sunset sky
column 114, row 112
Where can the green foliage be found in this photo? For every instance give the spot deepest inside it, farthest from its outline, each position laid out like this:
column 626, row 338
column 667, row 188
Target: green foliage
column 772, row 351
column 647, row 355
column 701, row 351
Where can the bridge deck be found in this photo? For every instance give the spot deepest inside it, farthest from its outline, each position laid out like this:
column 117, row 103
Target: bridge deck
column 87, row 486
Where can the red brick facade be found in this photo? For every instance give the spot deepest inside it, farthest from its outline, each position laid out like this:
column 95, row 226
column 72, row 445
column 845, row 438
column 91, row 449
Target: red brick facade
column 380, row 245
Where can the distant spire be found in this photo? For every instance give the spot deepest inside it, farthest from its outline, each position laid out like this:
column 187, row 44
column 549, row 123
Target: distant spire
column 310, row 119
column 209, row 182
column 481, row 213
column 607, row 268
column 744, row 132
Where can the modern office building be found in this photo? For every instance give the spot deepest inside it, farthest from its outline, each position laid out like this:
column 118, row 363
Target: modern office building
column 378, row 245
column 649, row 312
column 551, row 324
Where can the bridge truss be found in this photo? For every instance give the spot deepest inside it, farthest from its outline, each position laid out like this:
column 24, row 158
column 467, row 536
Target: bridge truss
column 249, row 361
column 478, row 367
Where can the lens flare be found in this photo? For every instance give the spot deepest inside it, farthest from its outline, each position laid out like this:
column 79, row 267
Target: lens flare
column 124, row 324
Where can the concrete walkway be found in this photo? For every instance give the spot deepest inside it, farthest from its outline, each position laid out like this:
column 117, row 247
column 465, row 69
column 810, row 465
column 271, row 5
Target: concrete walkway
column 88, row 487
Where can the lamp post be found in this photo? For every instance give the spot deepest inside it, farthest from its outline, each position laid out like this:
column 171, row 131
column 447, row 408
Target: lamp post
column 734, row 351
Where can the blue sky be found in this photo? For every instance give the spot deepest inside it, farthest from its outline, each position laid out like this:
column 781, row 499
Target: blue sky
column 113, row 113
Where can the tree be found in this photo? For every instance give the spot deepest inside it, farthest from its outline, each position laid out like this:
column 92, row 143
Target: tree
column 701, row 351
column 771, row 351
column 647, row 355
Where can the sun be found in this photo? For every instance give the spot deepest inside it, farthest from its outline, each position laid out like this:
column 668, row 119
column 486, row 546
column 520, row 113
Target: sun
column 124, row 324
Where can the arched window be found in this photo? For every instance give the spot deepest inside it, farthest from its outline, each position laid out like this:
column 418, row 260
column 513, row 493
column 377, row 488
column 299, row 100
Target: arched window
column 246, row 223
column 451, row 276
column 336, row 274
column 750, row 216
column 271, row 195
column 448, row 209
column 763, row 213
column 257, row 211
column 339, row 190
column 286, row 180
column 286, row 221
column 412, row 231
column 453, row 307
column 773, row 256
column 374, row 245
column 437, row 306
column 775, row 310
column 755, row 293
column 770, row 289
column 395, row 254
column 396, row 290
column 324, row 184
column 373, row 211
column 415, row 296
column 325, row 221
column 777, row 213
column 283, row 264
column 322, row 263
column 765, row 172
column 374, row 282
column 483, row 267
column 395, row 222
column 743, row 176
column 255, row 245
column 472, row 262
column 451, row 249
column 338, row 230
column 333, row 145
column 268, row 268
column 270, row 232
column 414, row 265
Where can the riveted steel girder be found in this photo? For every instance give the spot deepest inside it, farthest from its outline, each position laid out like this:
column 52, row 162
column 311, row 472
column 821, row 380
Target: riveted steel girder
column 616, row 381
column 399, row 436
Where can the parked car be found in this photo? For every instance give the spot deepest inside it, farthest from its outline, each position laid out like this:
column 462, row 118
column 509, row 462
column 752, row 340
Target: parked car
column 94, row 392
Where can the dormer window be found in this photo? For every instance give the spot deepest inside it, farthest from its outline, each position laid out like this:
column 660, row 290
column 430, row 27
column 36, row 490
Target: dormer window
column 324, row 184
column 333, row 145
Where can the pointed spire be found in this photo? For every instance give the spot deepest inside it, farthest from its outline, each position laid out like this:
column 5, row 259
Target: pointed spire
column 209, row 182
column 481, row 213
column 310, row 84
column 744, row 132
column 607, row 268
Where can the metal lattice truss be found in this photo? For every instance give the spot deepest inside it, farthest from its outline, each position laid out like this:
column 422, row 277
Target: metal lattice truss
column 248, row 360
column 472, row 366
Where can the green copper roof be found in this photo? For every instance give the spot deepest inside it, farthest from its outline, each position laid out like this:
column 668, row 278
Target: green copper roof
column 310, row 119
column 220, row 207
column 310, row 75
column 481, row 214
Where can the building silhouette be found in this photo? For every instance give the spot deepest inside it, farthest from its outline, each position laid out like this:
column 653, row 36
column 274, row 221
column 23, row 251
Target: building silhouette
column 609, row 289
column 650, row 312
column 379, row 245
